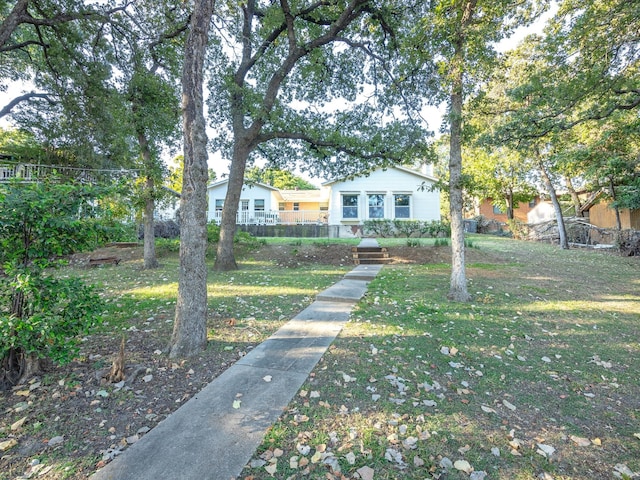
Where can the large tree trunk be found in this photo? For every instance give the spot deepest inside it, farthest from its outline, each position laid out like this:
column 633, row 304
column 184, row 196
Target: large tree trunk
column 575, row 199
column 190, row 324
column 150, row 260
column 510, row 205
column 458, row 287
column 562, row 231
column 225, row 258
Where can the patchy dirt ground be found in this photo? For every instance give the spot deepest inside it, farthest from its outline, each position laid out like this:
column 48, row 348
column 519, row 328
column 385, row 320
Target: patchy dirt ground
column 67, row 422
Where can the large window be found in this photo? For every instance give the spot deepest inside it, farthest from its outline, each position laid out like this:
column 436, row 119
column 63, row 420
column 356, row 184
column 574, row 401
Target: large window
column 376, row 205
column 402, row 203
column 219, row 204
column 349, row 206
column 258, row 205
column 244, row 205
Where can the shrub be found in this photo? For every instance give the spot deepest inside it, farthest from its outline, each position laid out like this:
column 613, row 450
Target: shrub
column 382, row 227
column 41, row 315
column 407, row 227
column 436, row 228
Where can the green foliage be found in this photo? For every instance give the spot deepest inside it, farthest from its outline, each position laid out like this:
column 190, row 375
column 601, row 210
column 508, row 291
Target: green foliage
column 40, row 315
column 281, row 179
column 54, row 312
column 213, row 232
column 379, row 227
column 407, row 227
column 441, row 242
column 413, row 242
column 436, row 228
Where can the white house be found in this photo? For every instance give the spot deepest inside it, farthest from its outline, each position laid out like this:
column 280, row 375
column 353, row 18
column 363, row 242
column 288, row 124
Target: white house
column 344, row 204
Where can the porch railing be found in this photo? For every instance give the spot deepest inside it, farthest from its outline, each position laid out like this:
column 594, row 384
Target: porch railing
column 278, row 217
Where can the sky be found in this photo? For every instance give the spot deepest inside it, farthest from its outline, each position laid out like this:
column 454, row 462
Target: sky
column 433, row 114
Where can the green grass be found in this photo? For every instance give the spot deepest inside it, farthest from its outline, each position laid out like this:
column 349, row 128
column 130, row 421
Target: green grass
column 547, row 349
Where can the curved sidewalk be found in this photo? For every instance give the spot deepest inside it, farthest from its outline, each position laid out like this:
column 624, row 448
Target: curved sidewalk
column 215, row 434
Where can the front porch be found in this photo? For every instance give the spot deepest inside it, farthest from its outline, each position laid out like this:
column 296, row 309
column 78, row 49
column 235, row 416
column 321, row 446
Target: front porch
column 278, row 217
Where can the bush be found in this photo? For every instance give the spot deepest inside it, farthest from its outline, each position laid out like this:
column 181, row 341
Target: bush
column 53, row 312
column 381, row 228
column 407, row 227
column 436, row 228
column 41, row 315
column 213, row 232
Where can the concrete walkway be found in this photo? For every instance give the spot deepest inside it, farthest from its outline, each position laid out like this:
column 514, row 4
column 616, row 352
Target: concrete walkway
column 207, row 437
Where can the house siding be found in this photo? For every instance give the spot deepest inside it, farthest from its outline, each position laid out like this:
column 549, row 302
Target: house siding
column 603, row 216
column 256, row 192
column 424, row 205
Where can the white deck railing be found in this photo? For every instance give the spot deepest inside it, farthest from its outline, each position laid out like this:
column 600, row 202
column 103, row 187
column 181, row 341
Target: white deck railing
column 278, row 217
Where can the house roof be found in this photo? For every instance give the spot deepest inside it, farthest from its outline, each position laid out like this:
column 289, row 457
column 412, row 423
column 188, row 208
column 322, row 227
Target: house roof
column 226, row 180
column 397, row 167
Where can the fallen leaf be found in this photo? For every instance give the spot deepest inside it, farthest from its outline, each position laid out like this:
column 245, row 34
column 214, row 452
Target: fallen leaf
column 366, row 473
column 637, row 435
column 350, row 458
column 487, row 409
column 236, row 403
column 293, row 462
column 417, row 461
column 267, row 378
column 509, row 405
column 545, row 450
column 6, row 445
column 546, row 359
column 596, row 441
column 272, row 468
column 463, row 466
column 580, row 441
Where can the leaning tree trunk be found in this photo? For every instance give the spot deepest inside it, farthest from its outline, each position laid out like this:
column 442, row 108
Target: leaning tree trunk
column 562, row 231
column 190, row 324
column 575, row 199
column 225, row 258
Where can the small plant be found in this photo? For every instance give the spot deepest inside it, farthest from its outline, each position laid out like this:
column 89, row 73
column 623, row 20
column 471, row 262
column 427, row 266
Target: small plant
column 441, row 242
column 297, row 243
column 413, row 242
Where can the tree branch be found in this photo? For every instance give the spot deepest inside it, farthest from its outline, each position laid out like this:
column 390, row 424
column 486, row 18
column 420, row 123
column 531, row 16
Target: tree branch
column 23, row 98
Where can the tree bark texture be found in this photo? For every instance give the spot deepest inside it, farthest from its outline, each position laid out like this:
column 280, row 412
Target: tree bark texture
column 575, row 199
column 458, row 285
column 562, row 230
column 190, row 323
column 150, row 260
column 225, row 258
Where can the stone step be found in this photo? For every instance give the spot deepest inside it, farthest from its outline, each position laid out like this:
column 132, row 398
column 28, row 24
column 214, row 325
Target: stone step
column 371, row 255
column 372, row 261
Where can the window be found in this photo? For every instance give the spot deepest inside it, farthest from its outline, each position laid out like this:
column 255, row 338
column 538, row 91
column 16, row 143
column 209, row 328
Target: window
column 281, row 206
column 244, row 205
column 532, row 203
column 376, row 205
column 349, row 206
column 497, row 209
column 219, row 204
column 402, row 204
column 296, row 206
column 258, row 205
